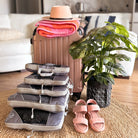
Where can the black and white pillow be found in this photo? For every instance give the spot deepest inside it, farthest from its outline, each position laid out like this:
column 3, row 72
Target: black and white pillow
column 97, row 21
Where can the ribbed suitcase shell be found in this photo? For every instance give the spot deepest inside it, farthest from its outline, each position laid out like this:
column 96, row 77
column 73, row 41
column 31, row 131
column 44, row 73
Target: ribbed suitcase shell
column 56, row 51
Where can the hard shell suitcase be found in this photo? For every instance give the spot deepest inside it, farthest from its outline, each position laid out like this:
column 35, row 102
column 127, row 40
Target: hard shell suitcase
column 56, row 51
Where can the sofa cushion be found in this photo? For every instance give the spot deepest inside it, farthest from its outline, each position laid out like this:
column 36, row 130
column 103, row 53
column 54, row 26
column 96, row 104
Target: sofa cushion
column 98, row 20
column 4, row 21
column 25, row 23
column 15, row 47
column 13, row 63
column 122, row 18
column 10, row 34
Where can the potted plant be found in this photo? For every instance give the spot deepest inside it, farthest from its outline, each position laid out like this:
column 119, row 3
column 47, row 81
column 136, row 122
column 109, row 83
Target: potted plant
column 98, row 50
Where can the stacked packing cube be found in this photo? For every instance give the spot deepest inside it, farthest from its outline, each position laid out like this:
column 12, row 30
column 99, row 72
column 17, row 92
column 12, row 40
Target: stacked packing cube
column 40, row 101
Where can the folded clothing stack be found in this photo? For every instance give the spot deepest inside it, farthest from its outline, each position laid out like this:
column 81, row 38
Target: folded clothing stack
column 40, row 101
column 48, row 28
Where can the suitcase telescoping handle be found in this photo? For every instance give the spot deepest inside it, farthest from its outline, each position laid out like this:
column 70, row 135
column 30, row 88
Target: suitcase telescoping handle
column 47, row 74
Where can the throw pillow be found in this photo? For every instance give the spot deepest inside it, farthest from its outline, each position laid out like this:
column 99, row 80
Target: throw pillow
column 10, row 34
column 87, row 19
column 98, row 21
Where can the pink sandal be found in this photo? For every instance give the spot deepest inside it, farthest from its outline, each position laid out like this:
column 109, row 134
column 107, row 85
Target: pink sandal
column 96, row 122
column 80, row 122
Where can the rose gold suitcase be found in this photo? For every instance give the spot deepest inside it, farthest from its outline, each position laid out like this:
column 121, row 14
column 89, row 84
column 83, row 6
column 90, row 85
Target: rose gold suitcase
column 56, row 51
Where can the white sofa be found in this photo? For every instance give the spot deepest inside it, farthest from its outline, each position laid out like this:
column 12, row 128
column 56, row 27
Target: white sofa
column 16, row 52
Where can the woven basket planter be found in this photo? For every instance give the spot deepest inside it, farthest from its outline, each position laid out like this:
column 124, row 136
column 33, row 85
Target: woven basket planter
column 99, row 92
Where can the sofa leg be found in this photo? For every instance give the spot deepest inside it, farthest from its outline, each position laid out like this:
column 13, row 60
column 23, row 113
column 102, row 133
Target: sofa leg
column 122, row 77
column 23, row 70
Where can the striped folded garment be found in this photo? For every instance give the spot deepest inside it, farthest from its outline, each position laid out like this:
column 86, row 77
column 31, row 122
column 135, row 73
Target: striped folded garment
column 57, row 28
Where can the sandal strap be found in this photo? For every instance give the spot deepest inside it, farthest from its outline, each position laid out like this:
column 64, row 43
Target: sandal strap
column 80, row 108
column 79, row 120
column 94, row 107
column 80, row 101
column 97, row 120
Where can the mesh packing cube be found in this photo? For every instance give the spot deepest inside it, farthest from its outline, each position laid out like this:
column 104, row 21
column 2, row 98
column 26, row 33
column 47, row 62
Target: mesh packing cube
column 45, row 90
column 51, row 80
column 20, row 118
column 55, row 69
column 47, row 103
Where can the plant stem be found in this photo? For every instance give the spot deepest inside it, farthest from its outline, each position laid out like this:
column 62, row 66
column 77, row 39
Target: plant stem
column 101, row 63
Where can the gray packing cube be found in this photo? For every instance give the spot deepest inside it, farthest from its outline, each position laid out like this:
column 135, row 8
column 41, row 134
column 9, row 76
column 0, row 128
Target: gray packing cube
column 47, row 103
column 45, row 68
column 51, row 80
column 20, row 118
column 46, row 90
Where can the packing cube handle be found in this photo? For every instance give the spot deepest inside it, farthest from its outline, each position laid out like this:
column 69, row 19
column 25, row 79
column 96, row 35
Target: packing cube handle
column 44, row 74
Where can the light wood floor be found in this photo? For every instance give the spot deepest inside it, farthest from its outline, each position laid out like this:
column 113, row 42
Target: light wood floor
column 124, row 90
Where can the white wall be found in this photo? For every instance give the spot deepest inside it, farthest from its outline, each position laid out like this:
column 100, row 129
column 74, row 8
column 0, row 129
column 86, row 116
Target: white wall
column 4, row 6
column 7, row 6
column 92, row 5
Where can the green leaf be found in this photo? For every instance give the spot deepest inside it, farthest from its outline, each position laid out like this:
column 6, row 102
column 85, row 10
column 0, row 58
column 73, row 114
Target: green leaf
column 117, row 48
column 78, row 52
column 122, row 57
column 116, row 68
column 105, row 78
column 90, row 74
column 120, row 29
column 88, row 59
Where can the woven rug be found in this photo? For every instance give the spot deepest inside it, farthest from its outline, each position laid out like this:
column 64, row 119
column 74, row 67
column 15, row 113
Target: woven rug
column 121, row 122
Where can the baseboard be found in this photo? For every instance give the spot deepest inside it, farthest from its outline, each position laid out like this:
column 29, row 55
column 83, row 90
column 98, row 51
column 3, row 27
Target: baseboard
column 121, row 77
column 23, row 70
